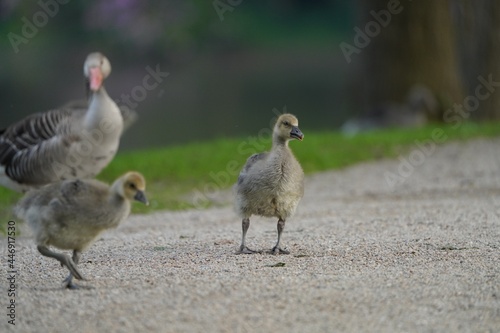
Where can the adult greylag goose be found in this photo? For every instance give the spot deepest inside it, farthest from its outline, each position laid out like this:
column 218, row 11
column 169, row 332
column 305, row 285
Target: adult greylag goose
column 129, row 115
column 271, row 184
column 64, row 143
column 71, row 214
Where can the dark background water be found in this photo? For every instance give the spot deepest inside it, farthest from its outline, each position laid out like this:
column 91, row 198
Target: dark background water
column 225, row 76
column 232, row 62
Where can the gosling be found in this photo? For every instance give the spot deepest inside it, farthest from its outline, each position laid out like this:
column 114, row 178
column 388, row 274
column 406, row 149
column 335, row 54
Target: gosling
column 70, row 214
column 271, row 184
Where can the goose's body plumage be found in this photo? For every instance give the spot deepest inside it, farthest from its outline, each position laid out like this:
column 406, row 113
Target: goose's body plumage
column 129, row 115
column 71, row 214
column 63, row 143
column 271, row 184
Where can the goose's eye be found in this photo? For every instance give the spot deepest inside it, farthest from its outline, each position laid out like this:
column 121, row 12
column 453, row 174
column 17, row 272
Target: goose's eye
column 286, row 123
column 131, row 186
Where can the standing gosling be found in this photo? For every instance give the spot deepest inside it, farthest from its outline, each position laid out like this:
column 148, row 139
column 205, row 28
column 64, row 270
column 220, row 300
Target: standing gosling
column 69, row 215
column 271, row 184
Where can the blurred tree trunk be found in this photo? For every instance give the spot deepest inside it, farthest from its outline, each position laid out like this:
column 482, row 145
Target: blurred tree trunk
column 478, row 26
column 417, row 47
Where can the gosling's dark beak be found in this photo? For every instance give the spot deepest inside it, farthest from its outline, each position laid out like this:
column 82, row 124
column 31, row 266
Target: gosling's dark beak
column 296, row 133
column 141, row 197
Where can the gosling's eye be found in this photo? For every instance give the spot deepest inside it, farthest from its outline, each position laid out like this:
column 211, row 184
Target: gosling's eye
column 132, row 186
column 286, row 123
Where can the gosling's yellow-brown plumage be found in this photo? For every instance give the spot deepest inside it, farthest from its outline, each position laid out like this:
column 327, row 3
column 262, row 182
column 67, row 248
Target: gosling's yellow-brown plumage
column 271, row 184
column 71, row 214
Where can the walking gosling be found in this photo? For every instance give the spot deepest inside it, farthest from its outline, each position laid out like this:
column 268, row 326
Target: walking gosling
column 271, row 184
column 69, row 215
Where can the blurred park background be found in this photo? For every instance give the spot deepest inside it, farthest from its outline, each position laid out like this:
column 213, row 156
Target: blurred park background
column 336, row 64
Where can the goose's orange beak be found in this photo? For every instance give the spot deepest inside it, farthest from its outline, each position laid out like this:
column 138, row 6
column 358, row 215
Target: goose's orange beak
column 95, row 78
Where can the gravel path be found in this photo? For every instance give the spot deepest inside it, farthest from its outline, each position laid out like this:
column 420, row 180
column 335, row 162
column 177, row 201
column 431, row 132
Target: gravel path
column 421, row 257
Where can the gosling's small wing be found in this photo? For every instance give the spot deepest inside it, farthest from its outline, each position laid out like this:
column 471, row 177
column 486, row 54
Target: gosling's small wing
column 68, row 193
column 37, row 199
column 76, row 201
column 250, row 163
column 86, row 193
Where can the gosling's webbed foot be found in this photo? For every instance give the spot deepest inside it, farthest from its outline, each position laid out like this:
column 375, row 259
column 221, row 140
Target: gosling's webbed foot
column 68, row 282
column 70, row 285
column 246, row 250
column 278, row 250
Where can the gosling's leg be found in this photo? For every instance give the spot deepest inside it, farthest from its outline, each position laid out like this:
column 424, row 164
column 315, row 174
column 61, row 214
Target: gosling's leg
column 276, row 249
column 63, row 259
column 68, row 281
column 245, row 224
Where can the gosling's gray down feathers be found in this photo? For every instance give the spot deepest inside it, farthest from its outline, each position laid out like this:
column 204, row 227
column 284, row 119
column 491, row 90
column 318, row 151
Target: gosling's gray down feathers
column 271, row 184
column 63, row 143
column 71, row 214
